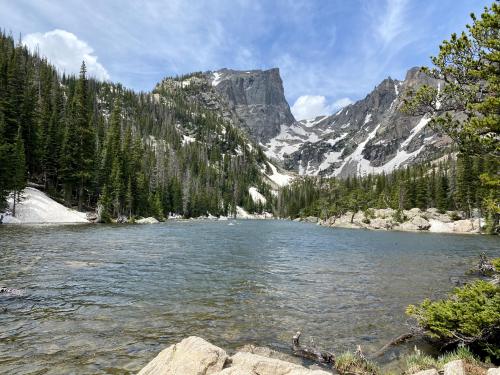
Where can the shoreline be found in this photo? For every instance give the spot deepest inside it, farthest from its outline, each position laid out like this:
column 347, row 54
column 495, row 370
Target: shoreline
column 413, row 220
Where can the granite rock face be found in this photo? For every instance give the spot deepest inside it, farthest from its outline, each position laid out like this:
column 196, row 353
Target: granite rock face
column 369, row 136
column 257, row 97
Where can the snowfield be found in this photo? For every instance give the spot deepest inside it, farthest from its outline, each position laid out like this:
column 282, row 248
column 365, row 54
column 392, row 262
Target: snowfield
column 257, row 197
column 36, row 207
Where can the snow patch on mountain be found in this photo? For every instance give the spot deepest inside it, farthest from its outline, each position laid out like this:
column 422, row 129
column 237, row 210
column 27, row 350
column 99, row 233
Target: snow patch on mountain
column 257, row 197
column 37, row 207
column 216, row 78
column 421, row 124
column 278, row 178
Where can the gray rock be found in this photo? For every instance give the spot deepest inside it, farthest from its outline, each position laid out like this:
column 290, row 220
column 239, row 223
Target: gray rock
column 195, row 356
column 243, row 363
column 311, row 219
column 454, row 368
column 493, row 371
column 420, row 223
column 467, row 226
column 258, row 98
column 192, row 356
column 379, row 223
column 376, row 122
column 147, row 220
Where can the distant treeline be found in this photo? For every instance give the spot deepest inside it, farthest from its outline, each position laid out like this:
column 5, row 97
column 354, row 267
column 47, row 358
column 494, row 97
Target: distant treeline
column 453, row 184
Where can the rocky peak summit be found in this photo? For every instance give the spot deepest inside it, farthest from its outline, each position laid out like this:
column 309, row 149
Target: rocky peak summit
column 257, row 97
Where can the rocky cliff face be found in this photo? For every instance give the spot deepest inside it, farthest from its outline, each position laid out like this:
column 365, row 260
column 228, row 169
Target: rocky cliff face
column 369, row 136
column 257, row 98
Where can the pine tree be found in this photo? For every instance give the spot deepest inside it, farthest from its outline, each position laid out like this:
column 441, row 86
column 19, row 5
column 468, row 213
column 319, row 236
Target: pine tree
column 86, row 137
column 19, row 170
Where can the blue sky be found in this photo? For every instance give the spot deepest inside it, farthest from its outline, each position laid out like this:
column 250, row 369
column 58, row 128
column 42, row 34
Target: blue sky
column 329, row 52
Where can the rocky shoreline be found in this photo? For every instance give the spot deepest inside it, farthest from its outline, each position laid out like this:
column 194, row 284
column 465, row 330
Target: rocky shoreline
column 195, row 356
column 413, row 220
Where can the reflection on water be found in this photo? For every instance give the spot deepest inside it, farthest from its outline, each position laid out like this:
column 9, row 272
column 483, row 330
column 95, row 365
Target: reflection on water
column 103, row 299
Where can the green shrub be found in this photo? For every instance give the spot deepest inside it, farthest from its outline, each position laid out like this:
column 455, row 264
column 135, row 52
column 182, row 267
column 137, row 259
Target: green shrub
column 454, row 216
column 496, row 264
column 471, row 315
column 462, row 352
column 418, row 361
column 399, row 216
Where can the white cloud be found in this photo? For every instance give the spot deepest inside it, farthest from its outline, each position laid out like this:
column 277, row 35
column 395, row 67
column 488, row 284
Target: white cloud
column 66, row 52
column 311, row 106
column 393, row 21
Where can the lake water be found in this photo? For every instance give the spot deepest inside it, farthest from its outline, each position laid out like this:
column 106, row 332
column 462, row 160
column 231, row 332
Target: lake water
column 107, row 299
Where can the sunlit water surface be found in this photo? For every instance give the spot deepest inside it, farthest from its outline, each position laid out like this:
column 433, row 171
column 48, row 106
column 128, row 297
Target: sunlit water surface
column 106, row 299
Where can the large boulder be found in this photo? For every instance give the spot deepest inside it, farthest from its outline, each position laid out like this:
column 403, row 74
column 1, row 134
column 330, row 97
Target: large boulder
column 439, row 226
column 467, row 226
column 493, row 371
column 379, row 223
column 420, row 223
column 454, row 368
column 407, row 226
column 192, row 356
column 195, row 356
column 147, row 220
column 410, row 214
column 244, row 363
column 384, row 213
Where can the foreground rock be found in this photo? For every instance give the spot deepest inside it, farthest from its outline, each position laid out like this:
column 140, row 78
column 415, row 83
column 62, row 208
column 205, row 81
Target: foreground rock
column 192, row 355
column 195, row 356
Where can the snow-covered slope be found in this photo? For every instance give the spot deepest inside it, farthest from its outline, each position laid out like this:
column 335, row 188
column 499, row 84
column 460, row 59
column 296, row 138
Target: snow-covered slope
column 36, row 207
column 369, row 136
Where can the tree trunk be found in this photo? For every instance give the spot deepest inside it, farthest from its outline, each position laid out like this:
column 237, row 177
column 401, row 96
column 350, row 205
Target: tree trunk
column 14, row 205
column 311, row 353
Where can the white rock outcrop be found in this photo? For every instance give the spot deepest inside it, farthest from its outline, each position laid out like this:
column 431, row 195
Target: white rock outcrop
column 252, row 364
column 192, row 356
column 147, row 220
column 195, row 356
column 493, row 371
column 414, row 220
column 454, row 368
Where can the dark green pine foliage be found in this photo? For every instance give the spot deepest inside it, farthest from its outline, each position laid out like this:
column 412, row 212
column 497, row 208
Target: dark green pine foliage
column 451, row 185
column 19, row 170
column 88, row 142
